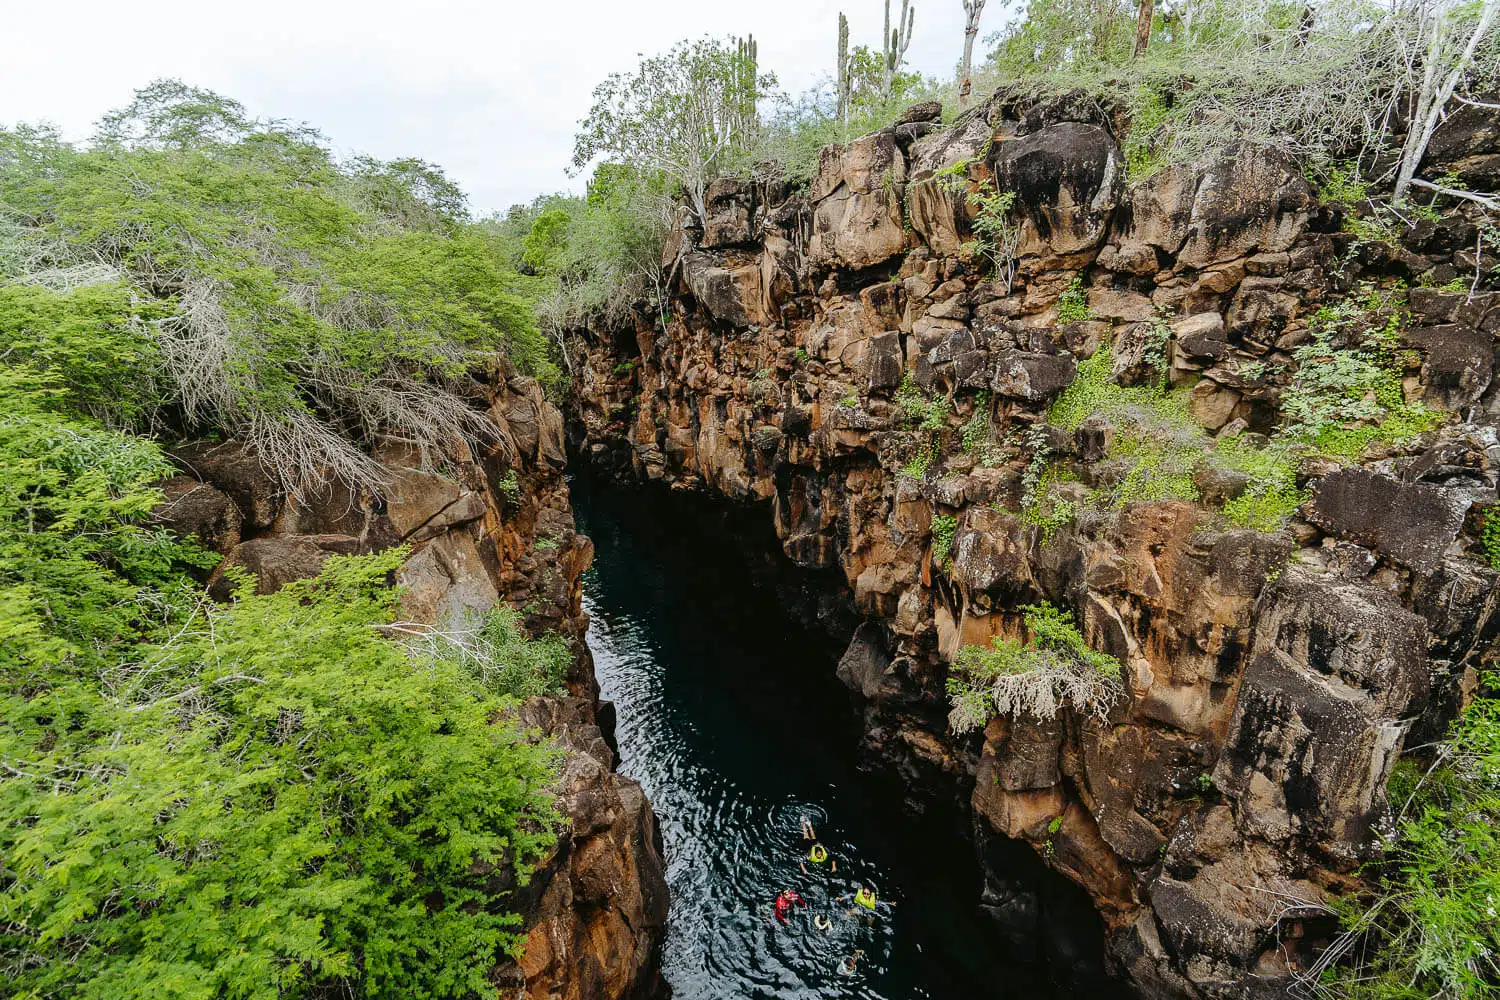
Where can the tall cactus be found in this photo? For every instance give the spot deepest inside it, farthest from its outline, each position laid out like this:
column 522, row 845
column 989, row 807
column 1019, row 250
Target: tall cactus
column 846, row 75
column 894, row 43
column 746, row 84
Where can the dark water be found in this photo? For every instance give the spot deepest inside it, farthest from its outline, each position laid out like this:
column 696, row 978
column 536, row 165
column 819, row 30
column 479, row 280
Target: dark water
column 731, row 718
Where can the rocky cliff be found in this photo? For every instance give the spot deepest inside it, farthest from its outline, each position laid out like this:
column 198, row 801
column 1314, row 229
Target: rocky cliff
column 836, row 356
column 489, row 527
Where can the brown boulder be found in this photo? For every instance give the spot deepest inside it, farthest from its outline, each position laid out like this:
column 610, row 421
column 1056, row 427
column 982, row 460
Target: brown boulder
column 196, row 509
column 1242, row 201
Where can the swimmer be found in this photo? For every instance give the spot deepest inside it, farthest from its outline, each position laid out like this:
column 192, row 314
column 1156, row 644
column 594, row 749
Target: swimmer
column 847, row 967
column 807, row 830
column 784, row 903
column 818, row 856
column 863, row 898
column 822, row 923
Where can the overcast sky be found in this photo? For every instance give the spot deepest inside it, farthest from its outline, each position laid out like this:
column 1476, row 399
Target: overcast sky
column 490, row 91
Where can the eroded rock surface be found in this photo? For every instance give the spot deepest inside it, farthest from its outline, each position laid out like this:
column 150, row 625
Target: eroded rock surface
column 1271, row 678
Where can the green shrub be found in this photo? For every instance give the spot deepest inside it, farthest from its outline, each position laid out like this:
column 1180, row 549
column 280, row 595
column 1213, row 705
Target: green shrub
column 289, row 298
column 1055, row 666
column 264, row 799
column 1343, row 397
column 910, row 400
column 1044, row 508
column 1489, row 538
column 916, row 467
column 1272, row 496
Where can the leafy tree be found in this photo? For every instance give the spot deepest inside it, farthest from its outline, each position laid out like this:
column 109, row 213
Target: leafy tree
column 682, row 114
column 299, row 304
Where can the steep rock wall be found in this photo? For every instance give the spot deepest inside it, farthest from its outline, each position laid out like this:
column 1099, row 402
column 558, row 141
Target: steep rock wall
column 489, row 527
column 1271, row 677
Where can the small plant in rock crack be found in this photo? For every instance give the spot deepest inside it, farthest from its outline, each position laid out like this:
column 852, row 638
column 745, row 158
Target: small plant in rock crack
column 917, row 466
column 1252, row 371
column 1073, row 303
column 910, row 400
column 1489, row 537
column 978, row 443
column 762, row 386
column 1049, row 849
column 801, row 356
column 936, row 416
column 997, row 232
column 850, row 402
column 1157, row 340
column 1054, row 667
column 509, row 487
column 943, row 526
column 1034, row 442
column 1343, row 397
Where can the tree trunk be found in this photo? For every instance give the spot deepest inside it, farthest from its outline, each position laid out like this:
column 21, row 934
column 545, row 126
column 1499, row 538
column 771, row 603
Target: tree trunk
column 1143, row 27
column 972, row 10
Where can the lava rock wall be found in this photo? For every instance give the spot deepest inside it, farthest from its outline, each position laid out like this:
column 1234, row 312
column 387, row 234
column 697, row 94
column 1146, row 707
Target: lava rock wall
column 1272, row 678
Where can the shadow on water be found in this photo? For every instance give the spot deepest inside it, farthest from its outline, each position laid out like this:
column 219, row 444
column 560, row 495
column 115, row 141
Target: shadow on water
column 731, row 718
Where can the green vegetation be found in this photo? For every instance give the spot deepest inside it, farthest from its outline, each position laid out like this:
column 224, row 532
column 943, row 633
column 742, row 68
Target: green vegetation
column 255, row 285
column 1313, row 81
column 1272, row 495
column 286, row 795
column 1489, row 537
column 267, row 798
column 921, row 460
column 943, row 526
column 1429, row 927
column 1044, row 508
column 910, row 401
column 689, row 114
column 996, row 231
column 1073, row 303
column 591, row 255
column 977, row 440
column 1053, row 667
column 1347, row 391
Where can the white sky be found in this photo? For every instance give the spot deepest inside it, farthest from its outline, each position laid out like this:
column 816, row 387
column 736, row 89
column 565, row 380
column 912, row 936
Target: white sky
column 489, row 91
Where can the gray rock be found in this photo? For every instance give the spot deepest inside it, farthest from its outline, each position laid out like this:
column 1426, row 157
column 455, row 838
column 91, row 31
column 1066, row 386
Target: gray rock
column 1032, row 377
column 1412, row 523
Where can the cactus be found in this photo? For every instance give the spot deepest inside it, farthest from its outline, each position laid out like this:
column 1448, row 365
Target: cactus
column 747, row 84
column 846, row 81
column 894, row 43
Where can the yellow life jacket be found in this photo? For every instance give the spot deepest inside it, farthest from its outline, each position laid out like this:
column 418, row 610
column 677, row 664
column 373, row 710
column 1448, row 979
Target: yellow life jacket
column 865, row 898
column 818, row 854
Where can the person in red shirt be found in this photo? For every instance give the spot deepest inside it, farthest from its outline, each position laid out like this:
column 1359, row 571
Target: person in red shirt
column 785, row 902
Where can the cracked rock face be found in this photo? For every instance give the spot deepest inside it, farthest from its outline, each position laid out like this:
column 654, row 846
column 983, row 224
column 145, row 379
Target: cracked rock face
column 595, row 909
column 1271, row 678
